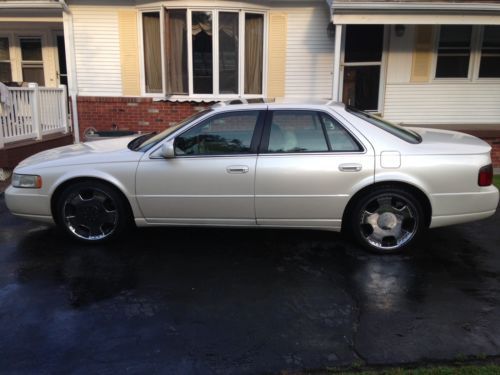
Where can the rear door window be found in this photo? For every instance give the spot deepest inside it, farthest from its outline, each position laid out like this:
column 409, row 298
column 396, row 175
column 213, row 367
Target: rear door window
column 307, row 131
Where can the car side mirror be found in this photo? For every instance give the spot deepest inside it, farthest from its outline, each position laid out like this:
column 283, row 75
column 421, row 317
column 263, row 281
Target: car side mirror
column 168, row 150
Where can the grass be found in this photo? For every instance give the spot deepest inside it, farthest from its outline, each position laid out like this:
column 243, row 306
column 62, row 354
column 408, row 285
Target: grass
column 496, row 181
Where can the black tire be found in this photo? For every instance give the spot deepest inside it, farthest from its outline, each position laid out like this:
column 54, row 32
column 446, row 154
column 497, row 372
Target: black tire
column 386, row 220
column 92, row 211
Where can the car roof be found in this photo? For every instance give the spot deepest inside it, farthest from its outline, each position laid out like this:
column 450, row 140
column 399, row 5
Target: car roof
column 242, row 104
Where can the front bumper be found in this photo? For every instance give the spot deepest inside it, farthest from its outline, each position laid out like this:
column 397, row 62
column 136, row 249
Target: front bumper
column 28, row 203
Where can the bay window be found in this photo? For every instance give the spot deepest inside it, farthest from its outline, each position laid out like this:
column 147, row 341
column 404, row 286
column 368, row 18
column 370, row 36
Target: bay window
column 206, row 52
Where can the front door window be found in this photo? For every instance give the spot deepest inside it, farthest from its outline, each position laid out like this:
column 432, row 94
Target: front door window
column 32, row 60
column 362, row 66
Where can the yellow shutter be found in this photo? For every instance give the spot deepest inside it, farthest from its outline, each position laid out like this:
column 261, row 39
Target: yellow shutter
column 422, row 55
column 277, row 55
column 129, row 54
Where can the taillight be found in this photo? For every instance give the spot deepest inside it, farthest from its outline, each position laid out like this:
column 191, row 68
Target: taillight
column 485, row 177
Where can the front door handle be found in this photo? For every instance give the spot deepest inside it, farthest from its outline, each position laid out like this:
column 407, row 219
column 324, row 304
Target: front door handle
column 350, row 167
column 237, row 169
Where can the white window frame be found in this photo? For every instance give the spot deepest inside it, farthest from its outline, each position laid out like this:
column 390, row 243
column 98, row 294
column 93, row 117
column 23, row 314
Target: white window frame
column 474, row 59
column 215, row 96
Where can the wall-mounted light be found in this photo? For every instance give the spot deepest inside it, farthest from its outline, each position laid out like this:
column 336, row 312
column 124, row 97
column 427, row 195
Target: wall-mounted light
column 330, row 30
column 399, row 30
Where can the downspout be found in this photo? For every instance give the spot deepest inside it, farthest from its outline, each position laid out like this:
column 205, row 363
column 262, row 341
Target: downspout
column 69, row 45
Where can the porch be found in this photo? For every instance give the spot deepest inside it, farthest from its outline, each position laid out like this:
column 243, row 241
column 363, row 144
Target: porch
column 35, row 120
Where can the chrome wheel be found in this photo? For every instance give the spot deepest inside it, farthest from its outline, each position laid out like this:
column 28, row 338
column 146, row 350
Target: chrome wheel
column 90, row 214
column 388, row 221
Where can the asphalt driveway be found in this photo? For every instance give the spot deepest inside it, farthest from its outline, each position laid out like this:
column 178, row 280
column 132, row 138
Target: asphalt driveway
column 196, row 301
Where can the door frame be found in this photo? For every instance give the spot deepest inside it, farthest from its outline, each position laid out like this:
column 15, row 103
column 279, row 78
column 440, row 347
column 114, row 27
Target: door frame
column 382, row 64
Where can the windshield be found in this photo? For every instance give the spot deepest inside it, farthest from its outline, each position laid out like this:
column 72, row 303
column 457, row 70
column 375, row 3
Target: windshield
column 398, row 131
column 145, row 143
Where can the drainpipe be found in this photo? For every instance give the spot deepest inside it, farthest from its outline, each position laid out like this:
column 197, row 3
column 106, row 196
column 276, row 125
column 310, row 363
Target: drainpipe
column 69, row 45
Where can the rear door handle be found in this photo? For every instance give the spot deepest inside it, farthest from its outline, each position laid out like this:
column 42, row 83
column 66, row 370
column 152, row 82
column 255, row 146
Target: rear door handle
column 350, row 167
column 237, row 169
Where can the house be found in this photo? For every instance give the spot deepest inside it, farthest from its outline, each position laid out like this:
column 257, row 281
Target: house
column 143, row 65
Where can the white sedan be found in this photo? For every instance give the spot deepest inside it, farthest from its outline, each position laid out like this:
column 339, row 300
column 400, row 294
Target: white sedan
column 309, row 165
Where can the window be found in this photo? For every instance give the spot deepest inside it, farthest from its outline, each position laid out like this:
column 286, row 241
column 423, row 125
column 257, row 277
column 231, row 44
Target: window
column 225, row 134
column 206, row 52
column 32, row 60
column 490, row 53
column 395, row 130
column 152, row 52
column 5, row 68
column 307, row 131
column 454, row 51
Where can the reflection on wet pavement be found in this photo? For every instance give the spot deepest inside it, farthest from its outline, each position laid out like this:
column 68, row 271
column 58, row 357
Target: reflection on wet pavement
column 245, row 301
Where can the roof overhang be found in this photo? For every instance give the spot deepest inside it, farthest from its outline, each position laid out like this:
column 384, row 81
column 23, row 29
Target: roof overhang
column 29, row 11
column 416, row 13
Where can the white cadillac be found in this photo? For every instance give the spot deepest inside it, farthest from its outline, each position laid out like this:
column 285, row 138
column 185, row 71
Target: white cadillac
column 282, row 165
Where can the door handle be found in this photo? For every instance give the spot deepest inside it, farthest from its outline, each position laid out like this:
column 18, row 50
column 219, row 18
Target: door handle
column 350, row 167
column 237, row 169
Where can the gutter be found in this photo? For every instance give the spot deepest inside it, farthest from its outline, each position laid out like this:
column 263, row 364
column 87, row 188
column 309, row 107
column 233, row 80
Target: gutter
column 404, row 7
column 69, row 44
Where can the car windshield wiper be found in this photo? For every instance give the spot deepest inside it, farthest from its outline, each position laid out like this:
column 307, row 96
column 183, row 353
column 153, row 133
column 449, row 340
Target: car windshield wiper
column 136, row 142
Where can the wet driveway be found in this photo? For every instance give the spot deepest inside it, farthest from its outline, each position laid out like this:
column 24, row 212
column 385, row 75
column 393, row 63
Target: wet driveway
column 196, row 301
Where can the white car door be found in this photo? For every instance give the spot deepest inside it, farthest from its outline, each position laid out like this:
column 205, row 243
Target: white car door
column 210, row 180
column 309, row 170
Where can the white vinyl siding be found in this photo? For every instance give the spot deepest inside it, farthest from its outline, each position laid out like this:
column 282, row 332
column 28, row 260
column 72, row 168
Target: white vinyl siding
column 309, row 56
column 97, row 51
column 443, row 103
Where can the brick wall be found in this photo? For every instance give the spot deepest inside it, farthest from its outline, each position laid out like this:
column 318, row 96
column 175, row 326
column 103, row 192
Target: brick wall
column 136, row 114
column 495, row 152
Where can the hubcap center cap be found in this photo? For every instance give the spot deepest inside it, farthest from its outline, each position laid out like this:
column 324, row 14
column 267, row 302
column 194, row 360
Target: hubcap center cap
column 89, row 213
column 387, row 221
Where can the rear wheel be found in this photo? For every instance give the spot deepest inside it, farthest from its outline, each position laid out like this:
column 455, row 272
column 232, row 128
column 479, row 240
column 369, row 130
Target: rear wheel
column 386, row 220
column 92, row 211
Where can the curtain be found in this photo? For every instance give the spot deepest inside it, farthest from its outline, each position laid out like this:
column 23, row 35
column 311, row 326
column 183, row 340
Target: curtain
column 152, row 52
column 254, row 39
column 176, row 51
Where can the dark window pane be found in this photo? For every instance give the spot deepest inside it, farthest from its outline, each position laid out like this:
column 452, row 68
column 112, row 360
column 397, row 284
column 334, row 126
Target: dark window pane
column 31, row 49
column 340, row 139
column 454, row 52
column 176, row 51
column 202, row 52
column 61, row 54
column 5, row 73
column 34, row 74
column 361, row 87
column 364, row 43
column 221, row 135
column 452, row 66
column 296, row 131
column 490, row 67
column 228, row 53
column 254, row 47
column 490, row 53
column 152, row 52
column 4, row 49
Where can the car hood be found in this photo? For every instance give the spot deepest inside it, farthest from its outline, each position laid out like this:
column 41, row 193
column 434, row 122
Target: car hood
column 437, row 141
column 104, row 151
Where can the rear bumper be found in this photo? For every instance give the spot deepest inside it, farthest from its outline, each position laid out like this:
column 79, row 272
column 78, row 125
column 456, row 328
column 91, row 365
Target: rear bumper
column 449, row 209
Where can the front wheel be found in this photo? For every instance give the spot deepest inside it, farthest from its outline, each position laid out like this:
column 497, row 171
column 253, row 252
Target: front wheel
column 386, row 220
column 92, row 211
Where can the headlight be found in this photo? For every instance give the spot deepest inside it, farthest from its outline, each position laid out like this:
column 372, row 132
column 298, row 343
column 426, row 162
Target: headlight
column 26, row 181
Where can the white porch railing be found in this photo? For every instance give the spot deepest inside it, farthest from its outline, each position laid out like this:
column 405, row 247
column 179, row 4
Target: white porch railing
column 34, row 112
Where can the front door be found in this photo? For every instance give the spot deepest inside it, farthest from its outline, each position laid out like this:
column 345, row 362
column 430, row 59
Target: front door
column 211, row 179
column 362, row 64
column 307, row 172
